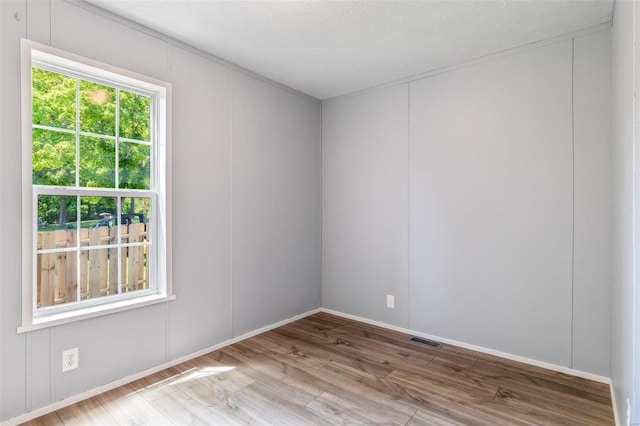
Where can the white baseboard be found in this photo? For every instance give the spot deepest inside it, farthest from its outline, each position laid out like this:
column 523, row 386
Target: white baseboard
column 139, row 375
column 506, row 355
column 133, row 377
column 616, row 418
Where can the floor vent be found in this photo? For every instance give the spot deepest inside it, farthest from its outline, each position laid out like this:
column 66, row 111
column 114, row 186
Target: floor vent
column 427, row 342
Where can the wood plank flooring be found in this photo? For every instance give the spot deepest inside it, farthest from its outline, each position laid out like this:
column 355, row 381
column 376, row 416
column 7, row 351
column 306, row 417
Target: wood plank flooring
column 325, row 369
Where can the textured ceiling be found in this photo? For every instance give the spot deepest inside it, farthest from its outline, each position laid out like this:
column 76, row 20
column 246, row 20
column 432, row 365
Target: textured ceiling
column 331, row 48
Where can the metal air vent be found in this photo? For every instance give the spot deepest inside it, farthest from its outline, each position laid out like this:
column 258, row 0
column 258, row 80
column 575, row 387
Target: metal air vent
column 427, row 342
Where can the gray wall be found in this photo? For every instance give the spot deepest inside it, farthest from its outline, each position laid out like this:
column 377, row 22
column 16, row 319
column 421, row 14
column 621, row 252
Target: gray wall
column 246, row 209
column 625, row 322
column 202, row 197
column 491, row 208
column 276, row 210
column 592, row 202
column 499, row 171
column 365, row 193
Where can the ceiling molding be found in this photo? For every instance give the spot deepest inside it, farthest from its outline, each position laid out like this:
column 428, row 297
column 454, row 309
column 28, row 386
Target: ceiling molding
column 177, row 43
column 476, row 61
column 328, row 49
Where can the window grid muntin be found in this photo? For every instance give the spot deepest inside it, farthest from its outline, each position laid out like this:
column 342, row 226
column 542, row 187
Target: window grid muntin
column 76, row 128
column 89, row 134
column 117, row 154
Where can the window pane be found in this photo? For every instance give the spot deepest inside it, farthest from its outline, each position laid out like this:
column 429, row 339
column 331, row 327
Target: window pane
column 135, row 212
column 97, row 162
column 98, row 268
column 98, row 212
column 134, row 268
column 56, row 212
column 54, row 99
column 53, row 158
column 135, row 168
column 135, row 116
column 97, row 108
column 57, row 272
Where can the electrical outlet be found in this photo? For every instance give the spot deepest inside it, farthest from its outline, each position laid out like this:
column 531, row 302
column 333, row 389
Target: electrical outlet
column 391, row 302
column 70, row 359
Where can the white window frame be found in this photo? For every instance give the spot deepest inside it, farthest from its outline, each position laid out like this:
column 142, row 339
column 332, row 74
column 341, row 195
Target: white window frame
column 159, row 274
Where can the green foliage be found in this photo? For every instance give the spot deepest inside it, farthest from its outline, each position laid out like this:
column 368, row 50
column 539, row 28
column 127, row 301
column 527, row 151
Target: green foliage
column 136, row 205
column 92, row 207
column 97, row 162
column 55, row 209
column 54, row 150
column 54, row 99
column 135, row 111
column 53, row 158
column 97, row 108
column 134, row 165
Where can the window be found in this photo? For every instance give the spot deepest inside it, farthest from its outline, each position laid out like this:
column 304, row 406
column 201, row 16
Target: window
column 95, row 179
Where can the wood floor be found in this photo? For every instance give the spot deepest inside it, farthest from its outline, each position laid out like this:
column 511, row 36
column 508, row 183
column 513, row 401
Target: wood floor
column 325, row 369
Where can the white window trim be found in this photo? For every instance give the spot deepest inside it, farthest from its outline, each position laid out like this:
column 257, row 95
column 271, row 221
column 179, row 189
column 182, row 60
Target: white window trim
column 162, row 233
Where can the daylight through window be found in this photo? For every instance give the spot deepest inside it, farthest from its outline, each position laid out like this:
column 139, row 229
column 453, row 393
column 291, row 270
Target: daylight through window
column 97, row 176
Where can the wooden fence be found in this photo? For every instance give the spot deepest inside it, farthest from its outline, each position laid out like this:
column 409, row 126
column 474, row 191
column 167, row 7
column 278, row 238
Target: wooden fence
column 57, row 272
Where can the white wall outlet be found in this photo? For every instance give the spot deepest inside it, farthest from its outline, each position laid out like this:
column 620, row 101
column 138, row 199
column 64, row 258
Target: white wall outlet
column 70, row 359
column 391, row 301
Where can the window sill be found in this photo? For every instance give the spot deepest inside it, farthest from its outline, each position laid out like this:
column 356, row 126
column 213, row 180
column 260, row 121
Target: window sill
column 92, row 312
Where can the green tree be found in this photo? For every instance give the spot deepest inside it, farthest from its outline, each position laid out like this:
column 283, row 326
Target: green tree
column 53, row 152
column 54, row 100
column 134, row 158
column 135, row 113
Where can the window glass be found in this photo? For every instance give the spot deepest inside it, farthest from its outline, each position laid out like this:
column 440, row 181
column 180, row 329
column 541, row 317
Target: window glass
column 135, row 165
column 97, row 162
column 135, row 116
column 53, row 158
column 97, row 108
column 53, row 99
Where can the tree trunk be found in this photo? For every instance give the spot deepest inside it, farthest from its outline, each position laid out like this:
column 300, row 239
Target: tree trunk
column 63, row 212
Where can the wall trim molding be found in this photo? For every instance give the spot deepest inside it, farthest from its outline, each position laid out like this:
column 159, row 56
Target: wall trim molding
column 506, row 355
column 475, row 61
column 144, row 373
